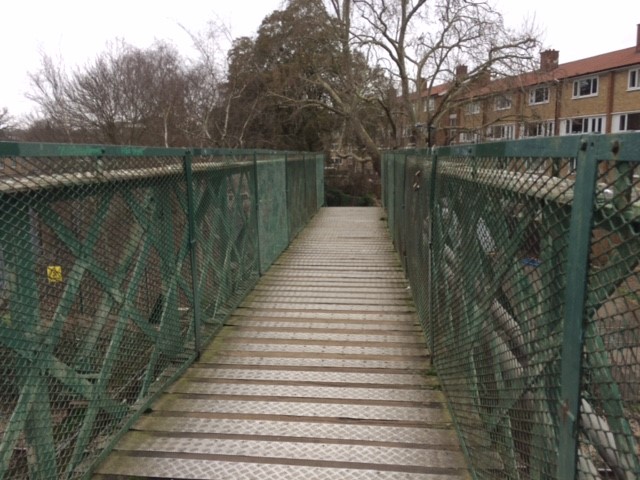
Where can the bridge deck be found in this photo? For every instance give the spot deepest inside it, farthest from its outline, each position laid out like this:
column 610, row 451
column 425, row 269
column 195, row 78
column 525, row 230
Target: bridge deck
column 321, row 373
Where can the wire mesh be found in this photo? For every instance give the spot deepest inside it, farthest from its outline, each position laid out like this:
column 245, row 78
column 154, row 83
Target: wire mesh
column 107, row 257
column 610, row 405
column 296, row 192
column 491, row 235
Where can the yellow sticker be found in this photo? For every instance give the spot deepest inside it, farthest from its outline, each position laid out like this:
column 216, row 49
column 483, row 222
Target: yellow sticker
column 54, row 273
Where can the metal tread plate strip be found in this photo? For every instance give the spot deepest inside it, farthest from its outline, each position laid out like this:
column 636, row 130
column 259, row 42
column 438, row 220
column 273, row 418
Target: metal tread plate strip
column 354, row 411
column 181, row 468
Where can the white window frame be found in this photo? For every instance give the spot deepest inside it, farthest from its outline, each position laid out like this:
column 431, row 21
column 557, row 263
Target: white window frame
column 532, row 95
column 473, row 108
column 634, row 79
column 508, row 103
column 507, row 132
column 429, row 104
column 594, row 85
column 469, row 137
column 544, row 128
column 596, row 124
column 621, row 122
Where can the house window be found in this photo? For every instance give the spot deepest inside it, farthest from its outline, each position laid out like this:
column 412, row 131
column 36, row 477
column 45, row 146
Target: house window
column 500, row 132
column 575, row 126
column 539, row 95
column 539, row 129
column 503, row 102
column 468, row 137
column 585, row 87
column 430, row 104
column 634, row 79
column 629, row 122
column 453, row 120
column 473, row 108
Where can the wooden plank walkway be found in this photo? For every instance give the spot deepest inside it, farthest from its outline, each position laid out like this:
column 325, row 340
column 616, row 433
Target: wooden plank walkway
column 322, row 373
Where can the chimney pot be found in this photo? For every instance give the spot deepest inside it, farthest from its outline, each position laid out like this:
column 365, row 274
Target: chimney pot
column 638, row 40
column 461, row 71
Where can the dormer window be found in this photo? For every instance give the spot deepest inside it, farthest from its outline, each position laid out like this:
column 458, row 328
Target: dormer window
column 585, row 87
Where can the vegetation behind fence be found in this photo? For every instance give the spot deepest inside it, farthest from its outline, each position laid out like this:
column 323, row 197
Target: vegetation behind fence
column 523, row 259
column 116, row 265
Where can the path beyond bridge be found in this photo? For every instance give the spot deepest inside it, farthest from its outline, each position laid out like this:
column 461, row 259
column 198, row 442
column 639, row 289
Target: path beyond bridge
column 322, row 373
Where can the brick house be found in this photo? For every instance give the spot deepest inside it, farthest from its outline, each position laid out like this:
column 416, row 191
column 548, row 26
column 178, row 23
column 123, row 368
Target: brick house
column 599, row 94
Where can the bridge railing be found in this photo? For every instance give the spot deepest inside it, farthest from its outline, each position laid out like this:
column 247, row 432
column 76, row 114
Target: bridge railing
column 523, row 259
column 116, row 265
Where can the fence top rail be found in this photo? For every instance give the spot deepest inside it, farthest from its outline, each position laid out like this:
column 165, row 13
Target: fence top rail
column 204, row 160
column 619, row 146
column 29, row 149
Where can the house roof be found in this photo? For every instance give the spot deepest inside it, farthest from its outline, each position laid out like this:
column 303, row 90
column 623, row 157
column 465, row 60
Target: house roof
column 591, row 65
column 599, row 63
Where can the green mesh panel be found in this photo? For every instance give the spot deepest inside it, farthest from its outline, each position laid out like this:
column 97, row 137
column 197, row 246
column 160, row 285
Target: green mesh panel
column 310, row 201
column 273, row 219
column 116, row 264
column 319, row 162
column 523, row 259
column 296, row 193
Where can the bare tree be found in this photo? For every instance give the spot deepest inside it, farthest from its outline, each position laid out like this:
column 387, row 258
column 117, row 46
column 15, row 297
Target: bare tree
column 49, row 92
column 428, row 39
column 126, row 95
column 205, row 76
column 7, row 123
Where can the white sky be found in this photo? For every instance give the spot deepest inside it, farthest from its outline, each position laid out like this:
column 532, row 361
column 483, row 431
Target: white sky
column 77, row 30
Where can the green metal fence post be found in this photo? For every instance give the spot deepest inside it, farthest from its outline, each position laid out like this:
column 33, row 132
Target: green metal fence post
column 304, row 186
column 320, row 160
column 191, row 214
column 287, row 188
column 575, row 298
column 432, row 226
column 256, row 210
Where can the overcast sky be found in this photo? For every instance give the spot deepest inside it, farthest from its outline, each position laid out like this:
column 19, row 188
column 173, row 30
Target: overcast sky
column 77, row 30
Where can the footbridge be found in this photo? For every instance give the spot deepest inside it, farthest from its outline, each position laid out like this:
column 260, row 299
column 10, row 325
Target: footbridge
column 174, row 313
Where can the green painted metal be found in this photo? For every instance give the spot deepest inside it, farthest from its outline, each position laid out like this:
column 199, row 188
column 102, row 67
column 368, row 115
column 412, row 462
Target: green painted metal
column 193, row 242
column 116, row 265
column 273, row 229
column 319, row 161
column 432, row 232
column 575, row 297
column 532, row 297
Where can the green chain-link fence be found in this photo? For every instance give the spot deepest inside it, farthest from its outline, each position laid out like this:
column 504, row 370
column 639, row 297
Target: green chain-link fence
column 116, row 265
column 523, row 259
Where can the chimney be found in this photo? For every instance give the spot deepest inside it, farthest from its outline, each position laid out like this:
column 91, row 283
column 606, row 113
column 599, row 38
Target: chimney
column 483, row 78
column 638, row 40
column 461, row 72
column 549, row 60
